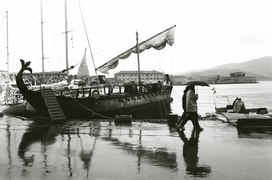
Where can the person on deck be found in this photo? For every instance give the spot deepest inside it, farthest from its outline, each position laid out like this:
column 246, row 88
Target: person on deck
column 239, row 106
column 191, row 109
column 234, row 102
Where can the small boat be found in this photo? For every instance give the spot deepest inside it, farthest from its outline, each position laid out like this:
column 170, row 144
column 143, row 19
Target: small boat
column 232, row 117
column 105, row 101
column 249, row 116
column 228, row 108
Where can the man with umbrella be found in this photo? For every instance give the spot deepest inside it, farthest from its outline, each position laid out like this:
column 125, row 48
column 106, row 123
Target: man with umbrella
column 191, row 105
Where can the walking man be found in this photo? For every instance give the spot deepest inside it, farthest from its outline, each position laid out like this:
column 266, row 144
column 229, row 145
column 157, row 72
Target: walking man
column 191, row 109
column 184, row 114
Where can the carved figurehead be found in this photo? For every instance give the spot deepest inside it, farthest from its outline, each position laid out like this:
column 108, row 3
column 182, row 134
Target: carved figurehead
column 19, row 78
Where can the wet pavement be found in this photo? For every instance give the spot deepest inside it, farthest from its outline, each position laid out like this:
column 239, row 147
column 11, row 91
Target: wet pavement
column 141, row 150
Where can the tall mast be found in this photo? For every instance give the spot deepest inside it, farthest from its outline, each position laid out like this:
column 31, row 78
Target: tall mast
column 7, row 90
column 66, row 41
column 138, row 59
column 43, row 75
column 87, row 38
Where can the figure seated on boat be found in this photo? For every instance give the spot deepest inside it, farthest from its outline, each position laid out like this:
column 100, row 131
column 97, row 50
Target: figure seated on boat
column 167, row 83
column 239, row 106
column 130, row 87
column 101, row 79
column 234, row 101
column 153, row 86
column 156, row 87
column 167, row 80
column 82, row 83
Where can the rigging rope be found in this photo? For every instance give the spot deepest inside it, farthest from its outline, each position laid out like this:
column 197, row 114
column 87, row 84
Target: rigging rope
column 114, row 44
column 87, row 37
column 2, row 22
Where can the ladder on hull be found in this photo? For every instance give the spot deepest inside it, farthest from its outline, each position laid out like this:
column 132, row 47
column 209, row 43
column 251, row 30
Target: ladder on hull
column 55, row 112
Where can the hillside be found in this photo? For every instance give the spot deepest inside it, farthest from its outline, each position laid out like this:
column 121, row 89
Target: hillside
column 261, row 68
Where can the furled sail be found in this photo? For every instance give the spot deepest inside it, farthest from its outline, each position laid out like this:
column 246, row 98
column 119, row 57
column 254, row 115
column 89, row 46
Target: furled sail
column 158, row 42
column 83, row 70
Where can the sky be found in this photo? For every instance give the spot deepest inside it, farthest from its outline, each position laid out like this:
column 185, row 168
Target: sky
column 208, row 33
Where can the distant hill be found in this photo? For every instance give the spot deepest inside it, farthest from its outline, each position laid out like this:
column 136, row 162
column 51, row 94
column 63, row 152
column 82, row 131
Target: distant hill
column 261, row 68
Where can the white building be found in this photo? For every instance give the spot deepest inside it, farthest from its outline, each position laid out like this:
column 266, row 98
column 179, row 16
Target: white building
column 146, row 76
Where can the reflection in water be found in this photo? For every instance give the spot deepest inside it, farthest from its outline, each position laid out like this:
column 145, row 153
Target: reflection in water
column 45, row 135
column 9, row 149
column 69, row 155
column 86, row 153
column 140, row 149
column 155, row 156
column 256, row 133
column 190, row 155
column 68, row 149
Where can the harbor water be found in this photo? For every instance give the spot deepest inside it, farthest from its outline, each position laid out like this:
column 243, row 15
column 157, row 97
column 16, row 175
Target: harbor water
column 141, row 150
column 254, row 95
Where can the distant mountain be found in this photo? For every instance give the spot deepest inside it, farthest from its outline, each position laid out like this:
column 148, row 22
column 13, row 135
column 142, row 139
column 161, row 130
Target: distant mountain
column 261, row 68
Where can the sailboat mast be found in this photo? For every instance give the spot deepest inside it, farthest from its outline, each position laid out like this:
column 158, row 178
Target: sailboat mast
column 138, row 60
column 87, row 38
column 66, row 41
column 7, row 90
column 43, row 75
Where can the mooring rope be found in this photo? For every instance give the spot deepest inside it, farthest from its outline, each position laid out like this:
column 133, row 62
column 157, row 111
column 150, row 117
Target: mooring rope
column 177, row 94
column 160, row 108
column 101, row 115
column 110, row 118
column 165, row 110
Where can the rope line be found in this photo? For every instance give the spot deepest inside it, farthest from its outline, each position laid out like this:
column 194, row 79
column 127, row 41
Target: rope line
column 177, row 94
column 160, row 108
column 101, row 115
column 2, row 22
column 110, row 118
column 165, row 110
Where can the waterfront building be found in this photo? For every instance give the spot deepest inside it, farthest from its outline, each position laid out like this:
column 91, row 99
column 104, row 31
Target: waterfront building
column 146, row 76
column 233, row 78
column 180, row 79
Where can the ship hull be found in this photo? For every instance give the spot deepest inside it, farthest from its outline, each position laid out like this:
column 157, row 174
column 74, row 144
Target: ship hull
column 22, row 110
column 145, row 105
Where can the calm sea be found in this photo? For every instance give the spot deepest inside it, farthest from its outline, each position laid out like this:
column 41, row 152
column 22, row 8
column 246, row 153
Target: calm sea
column 254, row 96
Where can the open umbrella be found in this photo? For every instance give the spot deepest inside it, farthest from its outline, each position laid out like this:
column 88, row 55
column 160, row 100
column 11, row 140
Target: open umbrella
column 197, row 83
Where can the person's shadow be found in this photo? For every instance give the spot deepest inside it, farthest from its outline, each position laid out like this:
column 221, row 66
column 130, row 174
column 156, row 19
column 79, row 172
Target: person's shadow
column 190, row 155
